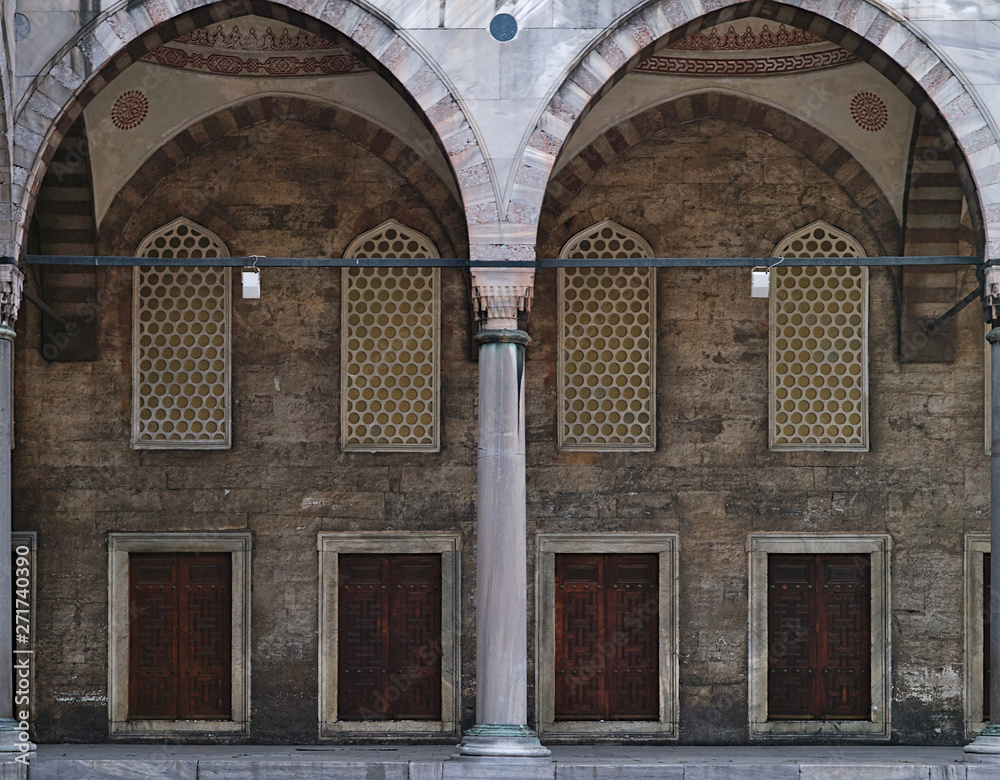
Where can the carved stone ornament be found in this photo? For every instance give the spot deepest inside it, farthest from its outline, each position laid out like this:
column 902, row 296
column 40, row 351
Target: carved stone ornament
column 11, row 284
column 991, row 295
column 499, row 296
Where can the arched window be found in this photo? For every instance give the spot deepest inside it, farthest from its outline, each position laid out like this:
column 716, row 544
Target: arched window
column 607, row 377
column 390, row 345
column 181, row 342
column 819, row 345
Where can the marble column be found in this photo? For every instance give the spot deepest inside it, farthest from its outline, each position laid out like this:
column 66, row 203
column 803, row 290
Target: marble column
column 986, row 747
column 12, row 737
column 500, row 297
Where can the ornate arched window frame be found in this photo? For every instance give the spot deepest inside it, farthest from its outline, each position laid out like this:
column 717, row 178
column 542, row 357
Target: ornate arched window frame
column 181, row 342
column 607, row 376
column 818, row 345
column 390, row 345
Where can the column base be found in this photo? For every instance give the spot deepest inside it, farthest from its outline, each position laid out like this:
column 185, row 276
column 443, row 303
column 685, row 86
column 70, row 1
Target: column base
column 14, row 739
column 985, row 748
column 502, row 740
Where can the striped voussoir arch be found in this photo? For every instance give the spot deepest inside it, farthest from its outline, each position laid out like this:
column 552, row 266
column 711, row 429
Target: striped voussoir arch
column 887, row 44
column 379, row 141
column 811, row 142
column 126, row 33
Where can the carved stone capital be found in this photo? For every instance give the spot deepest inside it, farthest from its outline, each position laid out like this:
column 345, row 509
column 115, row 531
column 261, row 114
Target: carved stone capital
column 501, row 296
column 11, row 285
column 991, row 294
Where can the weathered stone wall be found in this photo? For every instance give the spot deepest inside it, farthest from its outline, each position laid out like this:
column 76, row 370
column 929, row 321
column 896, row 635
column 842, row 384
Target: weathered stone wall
column 716, row 188
column 278, row 188
column 711, row 187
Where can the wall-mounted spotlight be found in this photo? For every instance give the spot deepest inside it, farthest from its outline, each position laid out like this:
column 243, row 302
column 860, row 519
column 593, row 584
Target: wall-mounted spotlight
column 760, row 283
column 251, row 280
column 760, row 280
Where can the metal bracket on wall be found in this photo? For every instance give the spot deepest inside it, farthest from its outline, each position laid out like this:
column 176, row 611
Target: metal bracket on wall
column 43, row 306
column 930, row 327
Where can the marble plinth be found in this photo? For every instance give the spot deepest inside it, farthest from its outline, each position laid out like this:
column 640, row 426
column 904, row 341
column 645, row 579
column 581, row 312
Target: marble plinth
column 436, row 762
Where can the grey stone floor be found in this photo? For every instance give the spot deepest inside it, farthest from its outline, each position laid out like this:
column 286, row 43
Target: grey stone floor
column 256, row 762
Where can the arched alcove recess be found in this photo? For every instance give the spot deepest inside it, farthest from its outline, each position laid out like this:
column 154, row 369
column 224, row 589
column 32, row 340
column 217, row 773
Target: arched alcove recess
column 886, row 44
column 116, row 229
column 661, row 120
column 121, row 37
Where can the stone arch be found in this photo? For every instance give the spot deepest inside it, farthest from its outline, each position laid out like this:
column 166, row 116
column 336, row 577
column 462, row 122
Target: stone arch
column 411, row 242
column 208, row 130
column 809, row 141
column 198, row 236
column 124, row 34
column 626, row 239
column 885, row 43
column 8, row 220
column 851, row 246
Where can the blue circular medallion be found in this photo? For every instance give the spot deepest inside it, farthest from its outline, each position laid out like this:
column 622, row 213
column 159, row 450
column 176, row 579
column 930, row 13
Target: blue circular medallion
column 503, row 27
column 22, row 27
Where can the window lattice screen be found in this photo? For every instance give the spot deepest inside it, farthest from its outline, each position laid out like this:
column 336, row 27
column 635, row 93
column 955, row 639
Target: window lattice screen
column 607, row 381
column 389, row 338
column 180, row 343
column 819, row 346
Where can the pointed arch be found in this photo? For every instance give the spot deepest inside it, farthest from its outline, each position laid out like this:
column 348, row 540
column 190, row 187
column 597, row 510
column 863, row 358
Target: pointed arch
column 124, row 34
column 606, row 239
column 818, row 345
column 390, row 395
column 116, row 228
column 392, row 239
column 873, row 206
column 181, row 342
column 10, row 219
column 606, row 345
column 886, row 43
column 182, row 238
column 819, row 239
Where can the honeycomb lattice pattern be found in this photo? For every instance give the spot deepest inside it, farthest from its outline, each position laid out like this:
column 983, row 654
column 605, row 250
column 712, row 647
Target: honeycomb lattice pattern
column 606, row 240
column 390, row 345
column 606, row 345
column 181, row 343
column 182, row 239
column 819, row 346
column 392, row 240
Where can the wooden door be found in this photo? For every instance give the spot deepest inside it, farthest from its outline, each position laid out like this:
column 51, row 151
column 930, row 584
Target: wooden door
column 389, row 637
column 607, row 625
column 986, row 635
column 180, row 636
column 819, row 637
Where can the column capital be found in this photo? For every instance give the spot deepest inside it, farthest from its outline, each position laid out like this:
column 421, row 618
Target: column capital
column 11, row 286
column 501, row 296
column 991, row 295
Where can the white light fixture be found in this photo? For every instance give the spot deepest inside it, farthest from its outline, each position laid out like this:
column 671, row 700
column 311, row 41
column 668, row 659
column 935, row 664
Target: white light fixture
column 760, row 283
column 251, row 281
column 760, row 280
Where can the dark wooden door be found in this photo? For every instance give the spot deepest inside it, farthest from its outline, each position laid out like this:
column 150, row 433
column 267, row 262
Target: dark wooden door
column 389, row 637
column 607, row 625
column 180, row 636
column 819, row 637
column 986, row 636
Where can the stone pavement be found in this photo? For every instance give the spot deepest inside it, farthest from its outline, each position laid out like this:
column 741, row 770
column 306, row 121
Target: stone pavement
column 426, row 762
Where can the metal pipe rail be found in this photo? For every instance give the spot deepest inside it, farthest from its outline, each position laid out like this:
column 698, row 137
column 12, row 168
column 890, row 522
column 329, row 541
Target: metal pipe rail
column 382, row 262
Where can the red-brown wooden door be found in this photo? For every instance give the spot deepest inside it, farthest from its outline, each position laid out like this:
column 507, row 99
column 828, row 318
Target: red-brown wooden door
column 606, row 625
column 389, row 637
column 819, row 637
column 180, row 636
column 986, row 636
